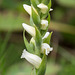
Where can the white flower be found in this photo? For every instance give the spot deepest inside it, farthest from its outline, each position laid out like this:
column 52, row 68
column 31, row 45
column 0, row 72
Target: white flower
column 51, row 9
column 33, row 59
column 44, row 24
column 27, row 8
column 46, row 48
column 46, row 35
column 29, row 29
column 43, row 8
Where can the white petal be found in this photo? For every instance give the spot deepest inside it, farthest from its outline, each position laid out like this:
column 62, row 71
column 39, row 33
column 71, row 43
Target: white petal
column 29, row 29
column 45, row 47
column 27, row 8
column 46, row 35
column 33, row 59
column 44, row 24
column 43, row 8
column 51, row 9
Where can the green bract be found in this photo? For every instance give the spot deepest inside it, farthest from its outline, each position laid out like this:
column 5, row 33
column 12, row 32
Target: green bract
column 47, row 40
column 34, row 3
column 35, row 16
column 29, row 46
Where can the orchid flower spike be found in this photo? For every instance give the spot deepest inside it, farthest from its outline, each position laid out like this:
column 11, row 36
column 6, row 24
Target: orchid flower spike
column 29, row 29
column 43, row 8
column 27, row 8
column 46, row 48
column 33, row 59
column 46, row 35
column 44, row 24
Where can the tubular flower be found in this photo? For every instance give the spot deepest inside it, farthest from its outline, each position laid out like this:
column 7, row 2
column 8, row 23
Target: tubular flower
column 44, row 24
column 29, row 29
column 46, row 35
column 43, row 8
column 33, row 59
column 46, row 48
column 27, row 8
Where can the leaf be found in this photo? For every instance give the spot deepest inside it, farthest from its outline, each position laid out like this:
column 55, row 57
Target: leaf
column 35, row 17
column 48, row 19
column 34, row 3
column 45, row 2
column 43, row 32
column 47, row 40
column 42, row 68
column 49, row 5
column 28, row 46
column 38, row 39
column 31, row 21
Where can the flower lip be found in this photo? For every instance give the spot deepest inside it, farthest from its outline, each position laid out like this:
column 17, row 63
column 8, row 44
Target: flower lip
column 33, row 59
column 45, row 47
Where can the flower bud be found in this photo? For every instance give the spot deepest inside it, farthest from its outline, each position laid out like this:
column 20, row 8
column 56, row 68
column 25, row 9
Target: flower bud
column 44, row 24
column 33, row 59
column 43, row 8
column 46, row 35
column 29, row 29
column 46, row 48
column 32, row 40
column 51, row 9
column 27, row 8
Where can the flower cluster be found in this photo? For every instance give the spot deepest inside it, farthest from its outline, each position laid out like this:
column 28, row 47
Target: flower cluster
column 39, row 43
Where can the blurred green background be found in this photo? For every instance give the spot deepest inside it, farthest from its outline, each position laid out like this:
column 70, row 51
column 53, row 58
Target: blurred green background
column 61, row 61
